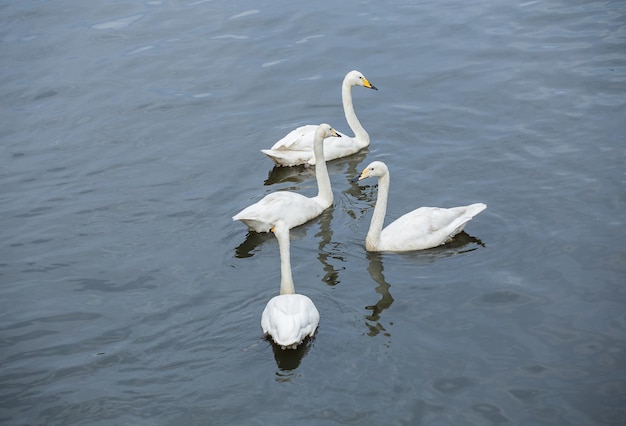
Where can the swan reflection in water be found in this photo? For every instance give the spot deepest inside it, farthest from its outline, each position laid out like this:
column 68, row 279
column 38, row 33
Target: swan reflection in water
column 288, row 360
column 375, row 270
column 254, row 240
column 327, row 250
column 303, row 173
column 461, row 243
column 251, row 243
column 295, row 174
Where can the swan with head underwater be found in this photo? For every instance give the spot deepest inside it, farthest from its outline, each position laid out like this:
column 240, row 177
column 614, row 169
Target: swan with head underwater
column 290, row 207
column 288, row 318
column 422, row 228
column 297, row 147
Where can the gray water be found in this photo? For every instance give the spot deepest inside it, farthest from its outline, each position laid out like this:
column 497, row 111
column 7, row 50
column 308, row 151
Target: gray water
column 131, row 134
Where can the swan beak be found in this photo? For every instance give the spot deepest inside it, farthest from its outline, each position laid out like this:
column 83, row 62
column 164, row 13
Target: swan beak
column 334, row 133
column 367, row 84
column 272, row 228
column 365, row 174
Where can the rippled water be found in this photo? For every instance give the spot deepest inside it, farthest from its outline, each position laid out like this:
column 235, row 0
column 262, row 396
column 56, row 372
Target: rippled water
column 131, row 134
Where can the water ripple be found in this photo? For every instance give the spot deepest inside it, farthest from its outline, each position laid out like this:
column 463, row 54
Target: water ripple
column 118, row 24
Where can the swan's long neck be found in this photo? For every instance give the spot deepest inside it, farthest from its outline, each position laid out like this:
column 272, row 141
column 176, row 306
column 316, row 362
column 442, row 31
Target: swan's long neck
column 324, row 191
column 348, row 108
column 378, row 217
column 286, row 280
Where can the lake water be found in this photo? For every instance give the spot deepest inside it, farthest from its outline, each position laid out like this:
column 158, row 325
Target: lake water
column 131, row 134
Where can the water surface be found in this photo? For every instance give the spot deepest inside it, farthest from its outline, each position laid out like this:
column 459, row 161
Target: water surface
column 131, row 135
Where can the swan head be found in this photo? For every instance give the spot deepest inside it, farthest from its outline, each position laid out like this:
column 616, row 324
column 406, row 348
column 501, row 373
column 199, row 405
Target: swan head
column 326, row 131
column 374, row 169
column 356, row 78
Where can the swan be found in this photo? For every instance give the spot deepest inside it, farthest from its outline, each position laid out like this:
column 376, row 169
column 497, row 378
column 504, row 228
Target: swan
column 423, row 228
column 297, row 147
column 293, row 208
column 289, row 317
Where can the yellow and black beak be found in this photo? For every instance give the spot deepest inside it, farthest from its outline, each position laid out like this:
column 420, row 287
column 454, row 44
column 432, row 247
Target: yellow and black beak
column 364, row 174
column 367, row 84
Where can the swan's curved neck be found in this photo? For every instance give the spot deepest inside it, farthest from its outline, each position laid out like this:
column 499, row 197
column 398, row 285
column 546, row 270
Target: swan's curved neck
column 372, row 239
column 348, row 108
column 324, row 191
column 286, row 280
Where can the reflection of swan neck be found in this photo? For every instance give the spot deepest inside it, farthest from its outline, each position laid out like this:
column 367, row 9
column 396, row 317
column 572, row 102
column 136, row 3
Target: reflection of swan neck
column 324, row 190
column 378, row 217
column 286, row 280
column 348, row 108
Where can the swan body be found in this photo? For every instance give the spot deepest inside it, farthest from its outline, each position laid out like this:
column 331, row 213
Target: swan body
column 297, row 147
column 422, row 228
column 290, row 207
column 289, row 317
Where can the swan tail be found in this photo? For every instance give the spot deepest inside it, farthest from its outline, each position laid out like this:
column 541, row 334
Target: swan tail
column 469, row 213
column 254, row 225
column 252, row 221
column 288, row 158
column 474, row 209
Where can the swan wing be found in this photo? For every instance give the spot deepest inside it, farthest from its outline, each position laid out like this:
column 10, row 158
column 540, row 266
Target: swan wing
column 289, row 319
column 299, row 139
column 339, row 147
column 292, row 208
column 427, row 227
column 297, row 147
column 289, row 158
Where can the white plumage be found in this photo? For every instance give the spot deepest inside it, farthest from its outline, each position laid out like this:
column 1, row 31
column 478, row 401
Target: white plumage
column 289, row 317
column 292, row 208
column 297, row 147
column 420, row 229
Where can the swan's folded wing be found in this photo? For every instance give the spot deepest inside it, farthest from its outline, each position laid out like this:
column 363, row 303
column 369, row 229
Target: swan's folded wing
column 289, row 319
column 302, row 138
column 411, row 231
column 301, row 153
column 427, row 227
column 340, row 147
column 292, row 208
column 289, row 158
column 299, row 139
column 452, row 221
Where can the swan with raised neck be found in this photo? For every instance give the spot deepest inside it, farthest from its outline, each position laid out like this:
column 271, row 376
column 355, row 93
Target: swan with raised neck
column 420, row 229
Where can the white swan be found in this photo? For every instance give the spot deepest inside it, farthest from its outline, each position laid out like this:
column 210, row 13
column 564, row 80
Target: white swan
column 297, row 147
column 289, row 317
column 293, row 208
column 420, row 229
